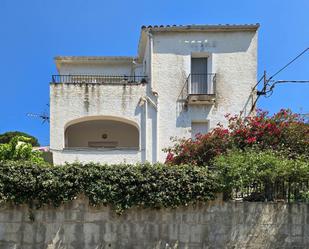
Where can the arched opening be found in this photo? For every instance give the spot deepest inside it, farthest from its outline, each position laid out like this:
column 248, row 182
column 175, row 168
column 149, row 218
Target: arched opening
column 102, row 133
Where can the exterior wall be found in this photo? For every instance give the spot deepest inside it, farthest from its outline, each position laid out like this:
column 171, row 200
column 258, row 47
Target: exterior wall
column 97, row 68
column 204, row 226
column 70, row 102
column 104, row 156
column 231, row 55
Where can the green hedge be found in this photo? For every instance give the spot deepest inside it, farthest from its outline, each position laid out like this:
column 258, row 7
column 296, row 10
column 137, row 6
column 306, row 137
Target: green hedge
column 121, row 186
column 263, row 175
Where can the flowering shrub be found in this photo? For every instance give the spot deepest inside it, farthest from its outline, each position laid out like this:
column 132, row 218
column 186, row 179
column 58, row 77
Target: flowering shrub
column 283, row 131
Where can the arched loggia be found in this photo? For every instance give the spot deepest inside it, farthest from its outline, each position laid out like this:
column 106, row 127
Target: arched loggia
column 102, row 132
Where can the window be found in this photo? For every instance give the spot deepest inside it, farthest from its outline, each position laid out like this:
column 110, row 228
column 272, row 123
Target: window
column 199, row 75
column 199, row 128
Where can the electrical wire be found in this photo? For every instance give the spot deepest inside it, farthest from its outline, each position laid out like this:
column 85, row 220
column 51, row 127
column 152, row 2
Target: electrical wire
column 277, row 82
column 289, row 63
column 287, row 81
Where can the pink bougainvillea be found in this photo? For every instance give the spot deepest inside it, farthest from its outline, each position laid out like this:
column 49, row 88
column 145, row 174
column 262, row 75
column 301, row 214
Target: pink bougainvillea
column 283, row 131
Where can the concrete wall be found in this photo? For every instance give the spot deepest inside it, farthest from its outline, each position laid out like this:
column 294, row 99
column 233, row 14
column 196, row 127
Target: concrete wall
column 204, row 226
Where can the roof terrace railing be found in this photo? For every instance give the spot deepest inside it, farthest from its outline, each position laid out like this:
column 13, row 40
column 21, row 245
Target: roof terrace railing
column 99, row 79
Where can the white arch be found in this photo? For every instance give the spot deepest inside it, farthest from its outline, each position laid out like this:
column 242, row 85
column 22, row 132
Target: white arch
column 101, row 117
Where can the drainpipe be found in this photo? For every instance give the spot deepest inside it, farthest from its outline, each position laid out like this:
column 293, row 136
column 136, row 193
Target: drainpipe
column 150, row 59
column 154, row 92
column 144, row 101
column 146, row 132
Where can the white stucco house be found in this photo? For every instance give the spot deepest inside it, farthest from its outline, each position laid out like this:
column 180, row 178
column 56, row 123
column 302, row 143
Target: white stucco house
column 183, row 81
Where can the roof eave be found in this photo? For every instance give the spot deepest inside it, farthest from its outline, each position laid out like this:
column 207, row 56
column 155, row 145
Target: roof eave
column 204, row 28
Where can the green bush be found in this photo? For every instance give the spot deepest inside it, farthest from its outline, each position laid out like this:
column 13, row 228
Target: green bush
column 273, row 173
column 20, row 148
column 121, row 186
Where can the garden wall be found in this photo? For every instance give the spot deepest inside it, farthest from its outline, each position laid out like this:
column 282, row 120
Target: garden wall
column 214, row 225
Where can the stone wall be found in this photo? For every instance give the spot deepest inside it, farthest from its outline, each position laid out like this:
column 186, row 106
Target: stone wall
column 214, row 225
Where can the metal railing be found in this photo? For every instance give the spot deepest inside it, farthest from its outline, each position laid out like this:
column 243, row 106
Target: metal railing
column 99, row 79
column 280, row 190
column 199, row 84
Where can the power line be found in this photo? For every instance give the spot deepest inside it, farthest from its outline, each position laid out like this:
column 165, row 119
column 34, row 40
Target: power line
column 284, row 81
column 266, row 81
column 289, row 63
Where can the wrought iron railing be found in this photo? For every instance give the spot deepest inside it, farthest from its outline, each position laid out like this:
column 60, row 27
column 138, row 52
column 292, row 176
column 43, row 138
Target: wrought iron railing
column 99, row 79
column 280, row 190
column 199, row 84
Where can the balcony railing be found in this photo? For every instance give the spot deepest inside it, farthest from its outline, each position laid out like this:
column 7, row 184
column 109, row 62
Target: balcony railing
column 199, row 84
column 99, row 79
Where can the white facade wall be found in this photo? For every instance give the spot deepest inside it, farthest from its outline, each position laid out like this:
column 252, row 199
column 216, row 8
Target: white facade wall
column 70, row 103
column 97, row 68
column 96, row 155
column 231, row 55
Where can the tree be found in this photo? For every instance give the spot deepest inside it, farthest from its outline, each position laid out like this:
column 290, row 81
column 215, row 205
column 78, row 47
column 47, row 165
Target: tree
column 20, row 148
column 6, row 137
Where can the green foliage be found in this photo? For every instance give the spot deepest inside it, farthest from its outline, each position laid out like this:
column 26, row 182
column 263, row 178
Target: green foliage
column 239, row 170
column 6, row 137
column 283, row 131
column 19, row 148
column 122, row 186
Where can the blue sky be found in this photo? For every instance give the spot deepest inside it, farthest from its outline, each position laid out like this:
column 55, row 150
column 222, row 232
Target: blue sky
column 34, row 31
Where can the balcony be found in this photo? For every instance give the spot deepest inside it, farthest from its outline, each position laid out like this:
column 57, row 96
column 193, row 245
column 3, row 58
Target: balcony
column 99, row 79
column 199, row 89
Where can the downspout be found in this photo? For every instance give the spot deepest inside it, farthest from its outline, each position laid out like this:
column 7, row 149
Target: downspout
column 146, row 132
column 150, row 60
column 154, row 92
column 144, row 101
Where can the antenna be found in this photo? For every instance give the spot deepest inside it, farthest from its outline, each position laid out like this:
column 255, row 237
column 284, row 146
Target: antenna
column 43, row 116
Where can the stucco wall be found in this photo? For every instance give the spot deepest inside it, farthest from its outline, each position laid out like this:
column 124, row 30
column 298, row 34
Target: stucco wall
column 71, row 102
column 204, row 226
column 104, row 156
column 231, row 55
column 106, row 68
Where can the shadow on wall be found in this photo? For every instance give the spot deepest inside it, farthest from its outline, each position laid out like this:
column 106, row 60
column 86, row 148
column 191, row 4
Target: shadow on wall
column 187, row 114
